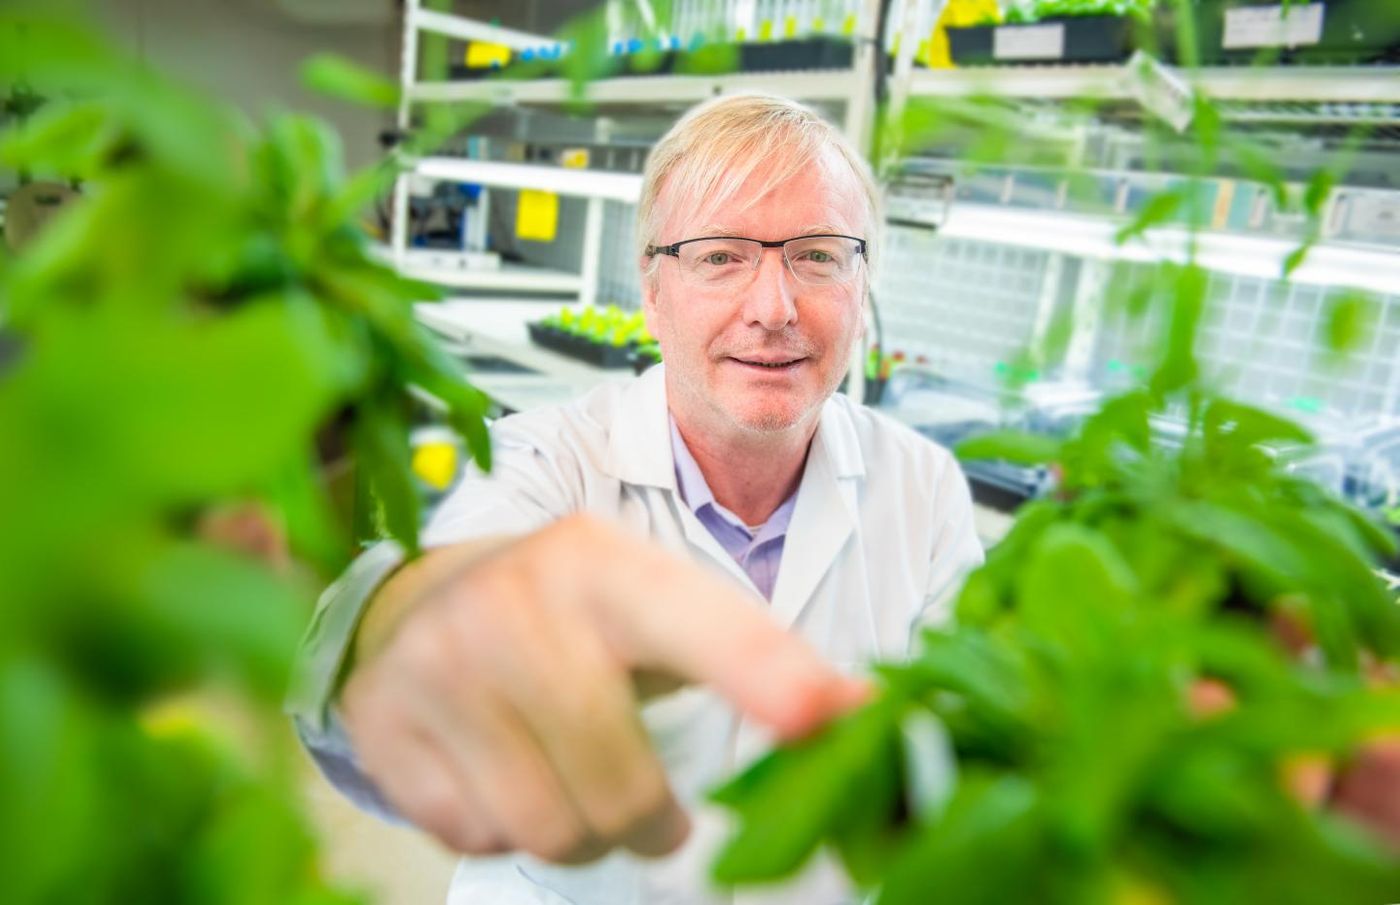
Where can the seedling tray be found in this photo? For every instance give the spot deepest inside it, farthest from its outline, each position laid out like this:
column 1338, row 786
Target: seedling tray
column 599, row 354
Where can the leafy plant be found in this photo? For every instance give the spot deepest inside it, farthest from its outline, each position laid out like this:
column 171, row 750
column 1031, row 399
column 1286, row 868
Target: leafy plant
column 1066, row 690
column 182, row 336
column 1019, row 14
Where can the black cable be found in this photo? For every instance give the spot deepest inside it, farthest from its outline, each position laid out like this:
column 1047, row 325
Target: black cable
column 882, row 78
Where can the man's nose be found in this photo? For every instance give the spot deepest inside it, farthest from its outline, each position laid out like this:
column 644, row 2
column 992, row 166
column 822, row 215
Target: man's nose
column 771, row 300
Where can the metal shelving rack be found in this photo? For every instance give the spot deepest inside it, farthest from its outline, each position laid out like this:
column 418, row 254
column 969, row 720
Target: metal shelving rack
column 852, row 88
column 1013, row 262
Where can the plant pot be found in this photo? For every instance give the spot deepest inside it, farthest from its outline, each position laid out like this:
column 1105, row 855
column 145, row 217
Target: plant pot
column 1086, row 39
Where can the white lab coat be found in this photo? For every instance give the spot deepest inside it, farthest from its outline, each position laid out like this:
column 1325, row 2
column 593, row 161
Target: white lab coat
column 880, row 537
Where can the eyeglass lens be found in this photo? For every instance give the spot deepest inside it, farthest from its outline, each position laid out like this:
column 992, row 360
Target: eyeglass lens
column 816, row 260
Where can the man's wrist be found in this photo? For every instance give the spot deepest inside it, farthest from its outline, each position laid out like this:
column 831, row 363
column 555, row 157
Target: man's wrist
column 325, row 647
column 410, row 585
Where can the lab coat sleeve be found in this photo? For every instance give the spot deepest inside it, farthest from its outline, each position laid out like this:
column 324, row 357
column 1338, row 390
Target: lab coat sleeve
column 524, row 491
column 956, row 549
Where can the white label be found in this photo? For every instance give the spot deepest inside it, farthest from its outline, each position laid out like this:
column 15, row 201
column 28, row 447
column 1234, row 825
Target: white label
column 1272, row 26
column 1374, row 216
column 1161, row 90
column 1029, row 42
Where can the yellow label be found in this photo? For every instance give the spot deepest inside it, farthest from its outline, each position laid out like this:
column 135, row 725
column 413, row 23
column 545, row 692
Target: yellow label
column 818, row 24
column 790, row 27
column 574, row 158
column 1224, row 199
column 848, row 27
column 537, row 215
column 765, row 30
column 481, row 55
column 741, row 34
column 436, row 464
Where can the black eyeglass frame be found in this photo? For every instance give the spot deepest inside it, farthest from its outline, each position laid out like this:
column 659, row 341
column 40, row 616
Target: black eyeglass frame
column 674, row 249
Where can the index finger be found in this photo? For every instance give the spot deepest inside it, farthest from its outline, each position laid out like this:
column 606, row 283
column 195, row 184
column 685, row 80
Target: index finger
column 674, row 617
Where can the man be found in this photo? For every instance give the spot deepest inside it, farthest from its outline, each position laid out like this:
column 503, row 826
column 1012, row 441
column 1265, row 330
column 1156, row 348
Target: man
column 723, row 520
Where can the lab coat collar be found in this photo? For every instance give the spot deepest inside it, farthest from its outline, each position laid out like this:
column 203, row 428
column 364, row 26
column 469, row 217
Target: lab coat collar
column 825, row 515
column 639, row 449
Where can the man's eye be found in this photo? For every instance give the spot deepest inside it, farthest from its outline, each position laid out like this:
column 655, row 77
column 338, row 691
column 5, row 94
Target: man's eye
column 820, row 257
column 718, row 258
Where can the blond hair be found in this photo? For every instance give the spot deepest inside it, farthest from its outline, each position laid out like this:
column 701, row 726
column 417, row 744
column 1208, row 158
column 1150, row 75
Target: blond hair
column 716, row 146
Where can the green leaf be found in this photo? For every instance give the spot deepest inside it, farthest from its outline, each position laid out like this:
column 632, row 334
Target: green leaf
column 381, row 443
column 228, row 611
column 1239, row 425
column 70, row 139
column 791, row 799
column 1350, row 318
column 337, row 76
column 1259, row 165
column 1074, row 588
column 433, row 371
column 1178, row 366
column 1280, row 552
column 1296, row 257
column 979, row 684
column 1159, row 209
column 1019, row 447
column 982, row 850
column 1318, row 190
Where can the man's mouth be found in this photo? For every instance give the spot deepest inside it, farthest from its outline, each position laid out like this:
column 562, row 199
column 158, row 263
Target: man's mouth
column 769, row 364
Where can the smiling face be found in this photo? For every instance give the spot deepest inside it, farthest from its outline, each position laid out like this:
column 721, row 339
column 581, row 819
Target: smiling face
column 764, row 357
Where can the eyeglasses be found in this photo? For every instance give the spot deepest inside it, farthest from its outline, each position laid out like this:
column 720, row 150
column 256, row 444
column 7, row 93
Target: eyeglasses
column 723, row 262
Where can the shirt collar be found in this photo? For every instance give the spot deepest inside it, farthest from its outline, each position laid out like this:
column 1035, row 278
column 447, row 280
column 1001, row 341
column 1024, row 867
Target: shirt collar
column 695, row 492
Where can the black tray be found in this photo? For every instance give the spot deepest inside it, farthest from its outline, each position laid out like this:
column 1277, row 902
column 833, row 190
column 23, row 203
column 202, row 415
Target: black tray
column 643, row 360
column 574, row 346
column 1087, row 39
column 796, row 55
column 1353, row 31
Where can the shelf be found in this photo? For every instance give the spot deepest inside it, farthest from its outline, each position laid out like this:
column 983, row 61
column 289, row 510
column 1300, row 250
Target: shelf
column 509, row 278
column 1373, row 268
column 654, row 90
column 625, row 187
column 1319, row 84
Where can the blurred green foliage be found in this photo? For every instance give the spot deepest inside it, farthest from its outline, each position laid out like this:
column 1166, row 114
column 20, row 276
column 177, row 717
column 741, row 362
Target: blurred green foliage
column 1083, row 772
column 179, row 338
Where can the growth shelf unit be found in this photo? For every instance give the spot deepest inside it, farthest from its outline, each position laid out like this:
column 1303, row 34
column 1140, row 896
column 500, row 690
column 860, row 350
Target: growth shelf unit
column 846, row 94
column 977, row 268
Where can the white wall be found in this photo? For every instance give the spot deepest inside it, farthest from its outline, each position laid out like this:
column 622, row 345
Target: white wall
column 249, row 52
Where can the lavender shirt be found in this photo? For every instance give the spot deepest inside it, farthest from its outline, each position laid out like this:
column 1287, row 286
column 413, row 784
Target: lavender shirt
column 757, row 550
